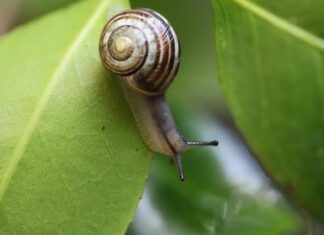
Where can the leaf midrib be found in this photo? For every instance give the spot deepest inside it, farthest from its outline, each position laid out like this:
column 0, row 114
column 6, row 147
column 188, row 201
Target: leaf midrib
column 37, row 113
column 282, row 24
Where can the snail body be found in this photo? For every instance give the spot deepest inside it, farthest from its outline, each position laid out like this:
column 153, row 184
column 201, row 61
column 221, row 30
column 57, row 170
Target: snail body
column 141, row 46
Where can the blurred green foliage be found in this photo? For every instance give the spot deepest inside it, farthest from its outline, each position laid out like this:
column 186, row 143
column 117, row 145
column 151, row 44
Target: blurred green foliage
column 30, row 9
column 206, row 203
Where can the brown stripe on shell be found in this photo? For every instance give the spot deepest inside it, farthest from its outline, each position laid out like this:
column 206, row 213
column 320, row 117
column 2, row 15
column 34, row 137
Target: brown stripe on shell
column 158, row 76
column 111, row 22
column 168, row 77
column 164, row 63
column 139, row 65
column 173, row 60
column 160, row 67
column 168, row 62
column 168, row 55
column 143, row 78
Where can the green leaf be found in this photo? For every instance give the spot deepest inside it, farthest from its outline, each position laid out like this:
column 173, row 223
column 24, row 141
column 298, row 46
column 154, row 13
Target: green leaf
column 208, row 202
column 271, row 66
column 72, row 161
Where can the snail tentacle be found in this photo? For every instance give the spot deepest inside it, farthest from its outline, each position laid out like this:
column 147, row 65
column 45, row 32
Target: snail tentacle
column 142, row 47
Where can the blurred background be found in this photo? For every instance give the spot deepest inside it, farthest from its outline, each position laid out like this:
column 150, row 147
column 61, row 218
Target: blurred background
column 226, row 191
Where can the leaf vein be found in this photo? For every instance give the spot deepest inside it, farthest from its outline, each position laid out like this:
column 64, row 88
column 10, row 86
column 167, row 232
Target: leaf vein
column 282, row 24
column 40, row 107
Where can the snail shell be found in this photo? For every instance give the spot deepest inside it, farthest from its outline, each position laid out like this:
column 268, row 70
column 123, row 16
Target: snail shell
column 141, row 46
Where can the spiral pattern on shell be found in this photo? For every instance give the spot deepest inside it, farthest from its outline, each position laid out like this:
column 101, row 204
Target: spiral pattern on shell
column 142, row 46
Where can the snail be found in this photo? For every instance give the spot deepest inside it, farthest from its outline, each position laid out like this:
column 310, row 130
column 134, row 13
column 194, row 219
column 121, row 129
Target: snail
column 142, row 48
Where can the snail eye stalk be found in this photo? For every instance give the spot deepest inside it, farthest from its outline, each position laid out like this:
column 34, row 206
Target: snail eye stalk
column 143, row 49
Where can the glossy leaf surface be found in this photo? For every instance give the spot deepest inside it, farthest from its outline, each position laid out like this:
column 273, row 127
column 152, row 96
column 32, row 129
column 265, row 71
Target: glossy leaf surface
column 72, row 161
column 271, row 66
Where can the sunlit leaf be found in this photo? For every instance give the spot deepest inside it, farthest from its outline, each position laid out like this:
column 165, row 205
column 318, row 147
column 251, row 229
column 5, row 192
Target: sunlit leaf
column 72, row 161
